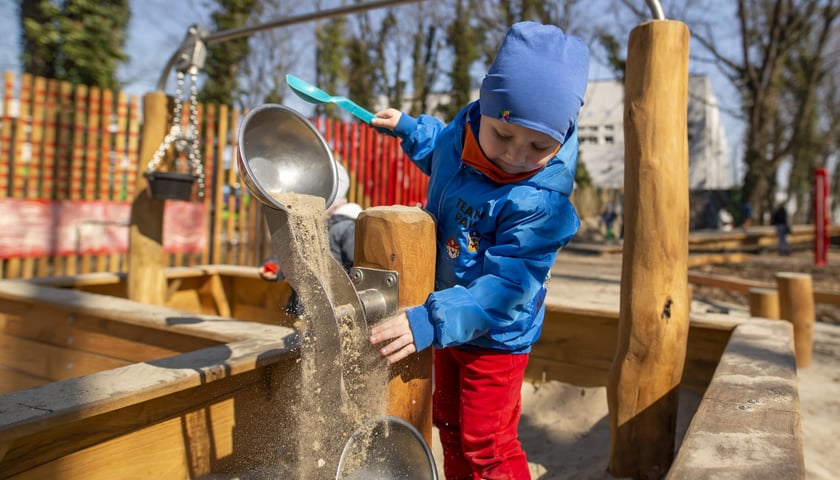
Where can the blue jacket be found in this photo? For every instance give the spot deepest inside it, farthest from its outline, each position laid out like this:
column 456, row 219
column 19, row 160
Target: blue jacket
column 495, row 242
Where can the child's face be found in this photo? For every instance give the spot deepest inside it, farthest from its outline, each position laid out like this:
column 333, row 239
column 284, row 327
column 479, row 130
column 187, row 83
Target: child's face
column 513, row 148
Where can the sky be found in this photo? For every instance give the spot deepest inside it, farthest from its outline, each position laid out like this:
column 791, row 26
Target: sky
column 157, row 28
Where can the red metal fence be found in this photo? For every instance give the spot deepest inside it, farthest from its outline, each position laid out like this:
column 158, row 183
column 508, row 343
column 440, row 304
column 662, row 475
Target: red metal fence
column 69, row 161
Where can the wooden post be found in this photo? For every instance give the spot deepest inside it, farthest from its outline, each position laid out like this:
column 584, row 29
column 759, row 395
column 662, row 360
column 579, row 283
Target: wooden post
column 403, row 239
column 145, row 280
column 764, row 303
column 796, row 305
column 642, row 388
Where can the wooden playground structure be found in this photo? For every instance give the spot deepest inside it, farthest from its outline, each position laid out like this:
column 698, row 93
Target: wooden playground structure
column 191, row 372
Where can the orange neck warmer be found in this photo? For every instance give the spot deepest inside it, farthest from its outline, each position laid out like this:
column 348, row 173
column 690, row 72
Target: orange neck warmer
column 475, row 157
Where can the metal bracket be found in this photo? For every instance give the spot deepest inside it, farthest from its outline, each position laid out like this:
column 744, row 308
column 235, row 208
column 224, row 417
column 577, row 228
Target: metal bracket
column 378, row 290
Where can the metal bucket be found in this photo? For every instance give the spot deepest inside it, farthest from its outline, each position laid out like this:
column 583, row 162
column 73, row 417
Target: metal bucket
column 281, row 151
column 386, row 448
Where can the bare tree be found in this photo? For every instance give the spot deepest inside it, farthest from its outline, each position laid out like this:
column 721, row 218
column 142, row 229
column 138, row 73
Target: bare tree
column 272, row 54
column 772, row 34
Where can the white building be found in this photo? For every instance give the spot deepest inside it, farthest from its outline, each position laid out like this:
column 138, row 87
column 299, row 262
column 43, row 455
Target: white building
column 601, row 133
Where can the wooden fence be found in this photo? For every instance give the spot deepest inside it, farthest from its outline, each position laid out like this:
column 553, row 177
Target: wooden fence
column 69, row 161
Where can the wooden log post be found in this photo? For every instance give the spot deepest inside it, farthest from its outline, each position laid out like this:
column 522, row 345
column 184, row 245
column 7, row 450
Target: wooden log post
column 764, row 303
column 145, row 280
column 796, row 305
column 642, row 388
column 403, row 239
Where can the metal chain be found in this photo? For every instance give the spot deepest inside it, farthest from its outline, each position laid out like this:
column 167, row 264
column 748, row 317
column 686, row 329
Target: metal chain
column 185, row 142
column 175, row 131
column 194, row 152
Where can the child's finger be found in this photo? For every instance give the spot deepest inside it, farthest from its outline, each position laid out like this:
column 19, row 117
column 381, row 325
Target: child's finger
column 400, row 353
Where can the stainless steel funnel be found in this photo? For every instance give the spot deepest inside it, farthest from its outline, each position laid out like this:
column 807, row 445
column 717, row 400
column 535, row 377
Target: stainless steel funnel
column 281, row 151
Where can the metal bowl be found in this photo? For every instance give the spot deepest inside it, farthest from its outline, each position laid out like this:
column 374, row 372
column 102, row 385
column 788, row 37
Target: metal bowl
column 281, row 151
column 389, row 448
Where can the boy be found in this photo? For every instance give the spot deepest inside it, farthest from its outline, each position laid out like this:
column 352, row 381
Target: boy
column 500, row 178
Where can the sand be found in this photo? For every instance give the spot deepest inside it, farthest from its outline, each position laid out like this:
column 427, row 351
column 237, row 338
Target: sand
column 565, row 430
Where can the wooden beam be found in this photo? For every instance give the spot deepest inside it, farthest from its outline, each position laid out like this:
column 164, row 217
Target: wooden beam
column 403, row 239
column 146, row 283
column 796, row 305
column 764, row 303
column 643, row 388
column 747, row 429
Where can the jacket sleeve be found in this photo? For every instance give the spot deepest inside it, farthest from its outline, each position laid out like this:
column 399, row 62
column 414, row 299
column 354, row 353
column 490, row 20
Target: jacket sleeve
column 511, row 287
column 419, row 137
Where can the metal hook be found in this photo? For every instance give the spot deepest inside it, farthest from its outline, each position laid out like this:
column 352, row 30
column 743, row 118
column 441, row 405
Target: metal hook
column 655, row 9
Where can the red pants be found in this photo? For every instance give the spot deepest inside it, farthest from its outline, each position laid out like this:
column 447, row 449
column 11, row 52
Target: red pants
column 476, row 407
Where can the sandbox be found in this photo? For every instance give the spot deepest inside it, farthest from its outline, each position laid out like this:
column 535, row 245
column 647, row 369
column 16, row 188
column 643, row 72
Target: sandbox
column 97, row 386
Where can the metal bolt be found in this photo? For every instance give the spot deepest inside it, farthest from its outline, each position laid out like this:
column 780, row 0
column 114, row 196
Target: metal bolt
column 754, row 402
column 390, row 280
column 745, row 408
column 356, row 275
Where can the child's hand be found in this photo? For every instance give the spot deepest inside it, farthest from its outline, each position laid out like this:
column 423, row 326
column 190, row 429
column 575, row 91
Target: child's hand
column 268, row 271
column 387, row 119
column 394, row 328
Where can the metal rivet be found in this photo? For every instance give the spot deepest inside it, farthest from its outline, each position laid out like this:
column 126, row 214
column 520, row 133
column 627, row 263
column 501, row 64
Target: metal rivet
column 746, row 408
column 390, row 280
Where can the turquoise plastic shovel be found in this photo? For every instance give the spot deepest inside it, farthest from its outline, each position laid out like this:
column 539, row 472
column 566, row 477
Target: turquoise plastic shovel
column 315, row 95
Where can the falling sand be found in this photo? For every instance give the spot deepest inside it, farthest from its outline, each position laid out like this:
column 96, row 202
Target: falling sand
column 343, row 379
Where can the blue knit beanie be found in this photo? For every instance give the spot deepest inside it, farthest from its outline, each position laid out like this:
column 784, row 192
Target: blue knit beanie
column 537, row 80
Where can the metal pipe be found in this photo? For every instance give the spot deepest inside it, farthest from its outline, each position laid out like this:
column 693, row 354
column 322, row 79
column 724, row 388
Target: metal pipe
column 278, row 22
column 655, row 9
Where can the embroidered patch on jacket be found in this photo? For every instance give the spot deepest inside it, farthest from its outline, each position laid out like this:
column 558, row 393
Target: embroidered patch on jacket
column 474, row 241
column 504, row 116
column 452, row 248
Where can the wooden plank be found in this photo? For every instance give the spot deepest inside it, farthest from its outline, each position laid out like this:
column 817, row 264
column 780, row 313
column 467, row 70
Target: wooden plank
column 734, row 284
column 92, row 335
column 742, row 285
column 247, row 418
column 19, row 160
column 120, row 401
column 56, row 363
column 133, row 147
column 12, row 380
column 214, row 291
column 748, row 429
column 6, row 143
column 64, row 140
column 576, row 346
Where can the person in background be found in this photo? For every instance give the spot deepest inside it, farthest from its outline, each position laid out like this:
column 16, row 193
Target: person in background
column 501, row 173
column 607, row 219
column 341, row 218
column 746, row 215
column 780, row 221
